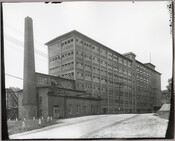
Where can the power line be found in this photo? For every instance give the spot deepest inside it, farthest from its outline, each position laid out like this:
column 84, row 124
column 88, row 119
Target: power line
column 21, row 44
column 19, row 32
column 39, row 54
column 13, row 76
column 19, row 78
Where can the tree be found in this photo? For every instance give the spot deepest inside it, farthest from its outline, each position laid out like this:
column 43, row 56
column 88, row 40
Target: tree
column 166, row 94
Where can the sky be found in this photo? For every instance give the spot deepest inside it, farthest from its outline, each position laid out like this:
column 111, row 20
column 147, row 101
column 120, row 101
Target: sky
column 139, row 27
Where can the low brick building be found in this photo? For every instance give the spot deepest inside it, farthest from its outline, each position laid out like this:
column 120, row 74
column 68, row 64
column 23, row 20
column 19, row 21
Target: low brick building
column 58, row 97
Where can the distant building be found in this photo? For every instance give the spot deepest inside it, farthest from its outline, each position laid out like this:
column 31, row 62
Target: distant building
column 124, row 84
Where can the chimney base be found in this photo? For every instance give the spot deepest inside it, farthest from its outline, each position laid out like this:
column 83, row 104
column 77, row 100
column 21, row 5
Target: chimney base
column 28, row 111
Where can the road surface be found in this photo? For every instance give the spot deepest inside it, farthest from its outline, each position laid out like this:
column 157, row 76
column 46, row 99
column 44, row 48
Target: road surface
column 101, row 126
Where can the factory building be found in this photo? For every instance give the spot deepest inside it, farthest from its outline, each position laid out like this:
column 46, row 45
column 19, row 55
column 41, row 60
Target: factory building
column 85, row 77
column 124, row 84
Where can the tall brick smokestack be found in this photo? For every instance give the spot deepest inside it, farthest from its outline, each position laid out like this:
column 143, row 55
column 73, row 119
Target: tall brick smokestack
column 29, row 82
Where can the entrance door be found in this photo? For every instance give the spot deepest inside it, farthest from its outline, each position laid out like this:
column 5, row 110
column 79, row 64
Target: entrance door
column 56, row 113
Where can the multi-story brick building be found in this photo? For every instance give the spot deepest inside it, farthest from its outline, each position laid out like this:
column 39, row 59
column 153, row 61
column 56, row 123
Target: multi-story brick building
column 124, row 84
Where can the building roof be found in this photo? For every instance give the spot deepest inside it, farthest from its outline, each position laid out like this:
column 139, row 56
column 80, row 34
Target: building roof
column 149, row 64
column 128, row 53
column 37, row 73
column 79, row 97
column 74, row 32
column 77, row 94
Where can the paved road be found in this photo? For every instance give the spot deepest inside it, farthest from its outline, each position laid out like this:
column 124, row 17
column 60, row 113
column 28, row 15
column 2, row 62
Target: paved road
column 94, row 127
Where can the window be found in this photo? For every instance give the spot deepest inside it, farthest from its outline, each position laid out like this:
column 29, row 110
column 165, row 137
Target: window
column 120, row 60
column 109, row 55
column 125, row 62
column 115, row 58
column 103, row 52
column 129, row 73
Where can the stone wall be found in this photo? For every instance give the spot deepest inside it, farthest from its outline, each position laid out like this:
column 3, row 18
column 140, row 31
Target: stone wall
column 43, row 80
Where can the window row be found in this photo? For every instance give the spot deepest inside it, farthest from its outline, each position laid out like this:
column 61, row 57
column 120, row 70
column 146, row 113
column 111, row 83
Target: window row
column 143, row 79
column 73, row 109
column 54, row 58
column 139, row 84
column 57, row 67
column 143, row 73
column 68, row 75
column 96, row 60
column 141, row 67
column 103, row 72
column 67, row 54
column 96, row 78
column 66, row 42
column 79, row 41
column 67, row 66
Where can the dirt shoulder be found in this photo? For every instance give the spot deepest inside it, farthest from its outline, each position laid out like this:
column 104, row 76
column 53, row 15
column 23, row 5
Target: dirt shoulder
column 142, row 126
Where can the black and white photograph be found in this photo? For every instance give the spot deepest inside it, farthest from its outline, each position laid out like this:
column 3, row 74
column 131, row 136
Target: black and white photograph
column 88, row 69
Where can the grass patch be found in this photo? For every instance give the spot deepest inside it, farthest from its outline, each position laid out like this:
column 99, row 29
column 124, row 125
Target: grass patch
column 15, row 127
